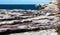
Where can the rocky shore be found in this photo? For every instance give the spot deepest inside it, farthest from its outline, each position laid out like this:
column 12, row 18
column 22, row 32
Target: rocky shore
column 28, row 22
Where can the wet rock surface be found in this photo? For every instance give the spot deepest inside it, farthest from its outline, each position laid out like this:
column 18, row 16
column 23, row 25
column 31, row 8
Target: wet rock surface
column 21, row 21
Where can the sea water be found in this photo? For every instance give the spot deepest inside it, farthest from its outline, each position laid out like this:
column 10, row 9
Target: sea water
column 19, row 6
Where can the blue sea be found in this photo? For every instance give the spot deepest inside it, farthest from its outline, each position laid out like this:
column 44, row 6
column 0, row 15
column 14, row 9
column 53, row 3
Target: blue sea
column 19, row 6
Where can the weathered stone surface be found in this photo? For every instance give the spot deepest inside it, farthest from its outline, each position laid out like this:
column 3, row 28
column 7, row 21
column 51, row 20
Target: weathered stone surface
column 42, row 32
column 26, row 21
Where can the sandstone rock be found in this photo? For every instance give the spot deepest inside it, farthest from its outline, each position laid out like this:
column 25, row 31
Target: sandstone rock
column 52, row 7
column 19, row 22
column 42, row 6
column 46, row 32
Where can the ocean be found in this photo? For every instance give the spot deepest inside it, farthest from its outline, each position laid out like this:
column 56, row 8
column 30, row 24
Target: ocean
column 19, row 6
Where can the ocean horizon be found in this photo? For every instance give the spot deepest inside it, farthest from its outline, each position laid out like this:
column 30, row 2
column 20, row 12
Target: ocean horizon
column 19, row 6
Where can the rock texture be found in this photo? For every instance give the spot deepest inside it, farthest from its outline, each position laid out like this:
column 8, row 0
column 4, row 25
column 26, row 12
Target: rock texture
column 54, row 6
column 42, row 32
column 21, row 22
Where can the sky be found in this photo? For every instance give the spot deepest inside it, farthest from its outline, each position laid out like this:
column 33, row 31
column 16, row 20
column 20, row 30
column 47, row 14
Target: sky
column 24, row 1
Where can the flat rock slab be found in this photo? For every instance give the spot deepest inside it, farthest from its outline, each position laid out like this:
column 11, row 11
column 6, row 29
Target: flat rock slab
column 27, row 22
column 41, row 32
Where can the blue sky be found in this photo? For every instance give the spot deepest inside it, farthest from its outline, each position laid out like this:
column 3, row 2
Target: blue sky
column 24, row 1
